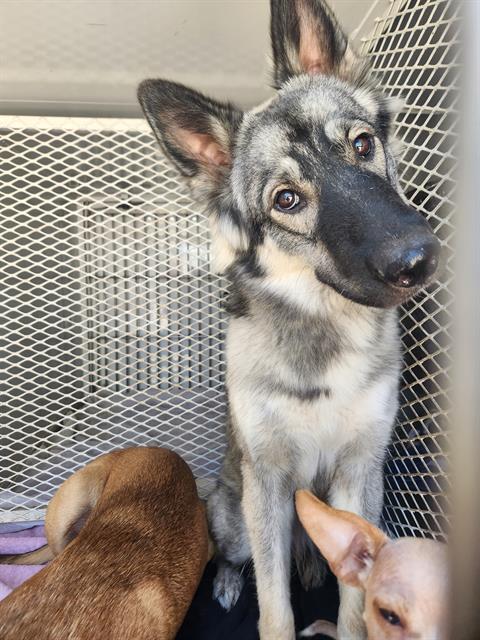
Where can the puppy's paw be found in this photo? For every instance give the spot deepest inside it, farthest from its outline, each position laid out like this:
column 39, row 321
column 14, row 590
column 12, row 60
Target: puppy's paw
column 227, row 586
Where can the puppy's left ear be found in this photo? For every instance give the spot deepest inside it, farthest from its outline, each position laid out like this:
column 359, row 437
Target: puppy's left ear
column 349, row 543
column 306, row 38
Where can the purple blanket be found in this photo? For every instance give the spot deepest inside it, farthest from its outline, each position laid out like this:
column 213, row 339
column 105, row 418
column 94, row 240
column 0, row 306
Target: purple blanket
column 12, row 576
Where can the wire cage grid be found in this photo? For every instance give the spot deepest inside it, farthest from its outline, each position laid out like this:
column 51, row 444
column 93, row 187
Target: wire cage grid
column 112, row 323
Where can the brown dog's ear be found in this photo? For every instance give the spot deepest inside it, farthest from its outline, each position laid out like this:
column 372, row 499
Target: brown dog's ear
column 196, row 133
column 349, row 543
column 73, row 502
column 306, row 38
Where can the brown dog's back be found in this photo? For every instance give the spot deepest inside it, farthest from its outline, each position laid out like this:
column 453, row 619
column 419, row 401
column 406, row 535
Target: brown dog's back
column 133, row 569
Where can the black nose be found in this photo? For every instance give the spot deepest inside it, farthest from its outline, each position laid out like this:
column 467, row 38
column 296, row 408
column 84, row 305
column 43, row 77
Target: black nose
column 412, row 267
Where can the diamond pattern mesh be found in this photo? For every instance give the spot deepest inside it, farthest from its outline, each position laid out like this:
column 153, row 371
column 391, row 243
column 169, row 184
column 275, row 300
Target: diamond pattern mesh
column 111, row 322
column 413, row 50
column 112, row 328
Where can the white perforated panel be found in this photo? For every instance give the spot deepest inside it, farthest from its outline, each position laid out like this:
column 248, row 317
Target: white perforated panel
column 111, row 321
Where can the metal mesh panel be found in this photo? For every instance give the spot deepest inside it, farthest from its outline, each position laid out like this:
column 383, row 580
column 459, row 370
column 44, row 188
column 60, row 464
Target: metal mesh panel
column 111, row 323
column 413, row 50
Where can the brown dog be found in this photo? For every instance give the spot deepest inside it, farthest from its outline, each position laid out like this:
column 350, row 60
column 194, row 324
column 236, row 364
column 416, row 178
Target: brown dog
column 135, row 565
column 405, row 580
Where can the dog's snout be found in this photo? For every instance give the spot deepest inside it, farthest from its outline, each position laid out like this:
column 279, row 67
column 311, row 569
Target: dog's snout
column 410, row 267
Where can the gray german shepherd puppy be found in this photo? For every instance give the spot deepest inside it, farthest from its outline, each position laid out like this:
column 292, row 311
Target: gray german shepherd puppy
column 320, row 247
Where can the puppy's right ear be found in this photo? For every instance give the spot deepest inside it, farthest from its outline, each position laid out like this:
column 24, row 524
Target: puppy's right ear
column 196, row 133
column 306, row 38
column 349, row 543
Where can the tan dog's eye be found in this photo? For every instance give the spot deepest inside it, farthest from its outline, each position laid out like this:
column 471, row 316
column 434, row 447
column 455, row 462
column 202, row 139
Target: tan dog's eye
column 391, row 617
column 363, row 144
column 287, row 201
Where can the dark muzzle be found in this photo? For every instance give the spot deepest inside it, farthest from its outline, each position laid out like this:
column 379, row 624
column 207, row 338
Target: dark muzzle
column 383, row 249
column 406, row 267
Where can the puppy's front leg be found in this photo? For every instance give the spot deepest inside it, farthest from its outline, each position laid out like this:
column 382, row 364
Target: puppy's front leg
column 268, row 508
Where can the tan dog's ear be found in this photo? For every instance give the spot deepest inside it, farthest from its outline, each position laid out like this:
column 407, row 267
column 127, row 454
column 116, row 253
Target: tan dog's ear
column 349, row 543
column 73, row 502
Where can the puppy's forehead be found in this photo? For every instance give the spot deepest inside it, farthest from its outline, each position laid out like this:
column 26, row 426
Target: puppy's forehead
column 305, row 103
column 266, row 138
column 322, row 98
column 319, row 99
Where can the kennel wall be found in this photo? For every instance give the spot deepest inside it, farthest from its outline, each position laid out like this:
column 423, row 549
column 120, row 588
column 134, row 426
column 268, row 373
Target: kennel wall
column 112, row 325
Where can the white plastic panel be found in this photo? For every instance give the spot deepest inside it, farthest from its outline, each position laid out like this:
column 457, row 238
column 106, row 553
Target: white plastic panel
column 86, row 57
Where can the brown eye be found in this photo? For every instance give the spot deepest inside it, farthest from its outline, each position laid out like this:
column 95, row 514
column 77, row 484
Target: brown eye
column 390, row 617
column 363, row 144
column 287, row 200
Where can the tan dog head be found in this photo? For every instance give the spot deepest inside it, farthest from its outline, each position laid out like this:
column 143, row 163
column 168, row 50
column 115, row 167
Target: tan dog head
column 405, row 580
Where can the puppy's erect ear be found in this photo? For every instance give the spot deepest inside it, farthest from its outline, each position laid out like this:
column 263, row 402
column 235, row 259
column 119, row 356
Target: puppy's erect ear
column 196, row 133
column 306, row 38
column 349, row 543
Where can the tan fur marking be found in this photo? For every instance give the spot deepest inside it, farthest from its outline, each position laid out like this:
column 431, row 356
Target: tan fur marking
column 152, row 597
